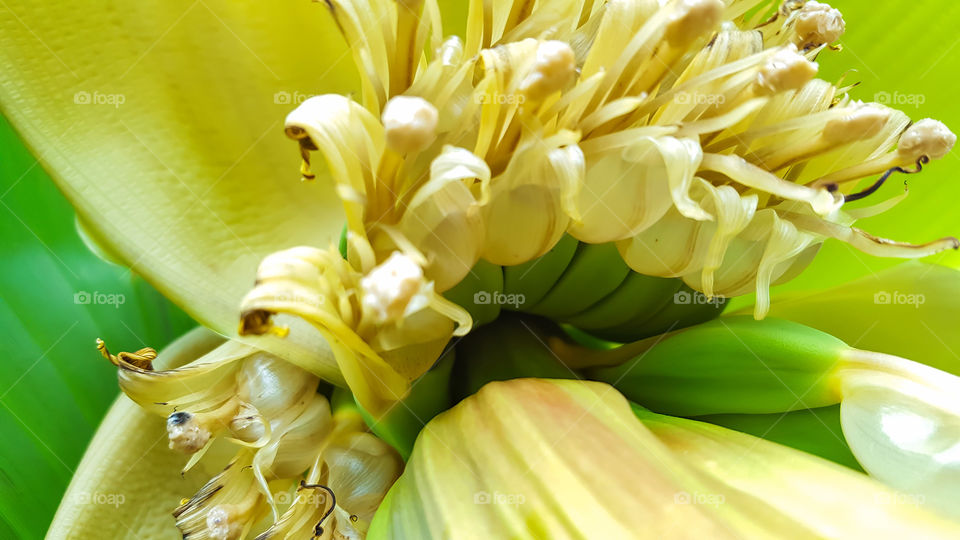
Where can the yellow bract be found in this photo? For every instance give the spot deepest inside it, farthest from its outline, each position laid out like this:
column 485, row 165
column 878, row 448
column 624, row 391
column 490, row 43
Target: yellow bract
column 536, row 458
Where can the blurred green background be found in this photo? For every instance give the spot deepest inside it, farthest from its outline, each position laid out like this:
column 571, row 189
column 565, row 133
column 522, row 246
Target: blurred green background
column 56, row 297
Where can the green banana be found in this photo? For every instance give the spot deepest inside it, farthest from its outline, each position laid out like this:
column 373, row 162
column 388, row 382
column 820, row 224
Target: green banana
column 637, row 299
column 814, row 431
column 685, row 307
column 479, row 291
column 514, row 346
column 730, row 365
column 429, row 395
column 595, row 271
column 533, row 279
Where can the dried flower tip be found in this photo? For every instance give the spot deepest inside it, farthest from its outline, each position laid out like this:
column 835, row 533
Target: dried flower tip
column 860, row 124
column 817, row 24
column 410, row 124
column 185, row 432
column 786, row 70
column 553, row 70
column 389, row 288
column 928, row 138
column 141, row 359
column 691, row 19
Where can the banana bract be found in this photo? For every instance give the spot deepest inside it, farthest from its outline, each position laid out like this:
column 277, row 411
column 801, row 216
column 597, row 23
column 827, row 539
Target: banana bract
column 537, row 458
column 900, row 418
column 816, row 497
column 815, row 431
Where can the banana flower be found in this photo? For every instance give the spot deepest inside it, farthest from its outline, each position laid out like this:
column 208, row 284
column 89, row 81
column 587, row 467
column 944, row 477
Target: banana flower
column 621, row 167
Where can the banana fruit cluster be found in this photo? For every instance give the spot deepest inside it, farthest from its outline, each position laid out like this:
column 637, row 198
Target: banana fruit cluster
column 588, row 287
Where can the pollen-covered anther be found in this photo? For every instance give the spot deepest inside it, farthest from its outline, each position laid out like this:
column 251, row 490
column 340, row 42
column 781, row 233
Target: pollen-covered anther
column 786, row 70
column 860, row 124
column 389, row 288
column 185, row 432
column 691, row 19
column 818, row 23
column 410, row 124
column 923, row 141
column 553, row 69
column 928, row 137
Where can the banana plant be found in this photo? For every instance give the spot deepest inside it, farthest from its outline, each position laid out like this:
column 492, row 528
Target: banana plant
column 378, row 208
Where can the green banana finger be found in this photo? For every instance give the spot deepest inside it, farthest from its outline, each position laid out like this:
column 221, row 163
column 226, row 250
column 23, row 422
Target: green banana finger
column 639, row 297
column 533, row 279
column 814, row 431
column 685, row 307
column 476, row 292
column 730, row 365
column 595, row 271
column 514, row 346
column 428, row 397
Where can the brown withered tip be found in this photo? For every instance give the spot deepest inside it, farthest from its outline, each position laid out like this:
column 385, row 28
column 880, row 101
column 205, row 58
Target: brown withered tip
column 140, row 360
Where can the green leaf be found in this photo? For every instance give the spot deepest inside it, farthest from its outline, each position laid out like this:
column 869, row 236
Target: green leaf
column 56, row 298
